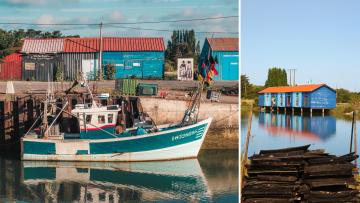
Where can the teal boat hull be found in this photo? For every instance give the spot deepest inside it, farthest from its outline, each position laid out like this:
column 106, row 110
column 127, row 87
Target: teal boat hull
column 176, row 143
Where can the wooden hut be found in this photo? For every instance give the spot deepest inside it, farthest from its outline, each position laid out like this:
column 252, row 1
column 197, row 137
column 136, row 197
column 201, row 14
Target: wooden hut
column 312, row 96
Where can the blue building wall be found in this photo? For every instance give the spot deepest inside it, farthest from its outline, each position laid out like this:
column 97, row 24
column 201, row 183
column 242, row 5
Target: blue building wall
column 228, row 62
column 321, row 98
column 138, row 64
column 261, row 100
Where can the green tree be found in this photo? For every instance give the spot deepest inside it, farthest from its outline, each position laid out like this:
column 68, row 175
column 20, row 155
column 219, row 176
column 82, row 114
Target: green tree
column 245, row 86
column 11, row 41
column 182, row 44
column 276, row 77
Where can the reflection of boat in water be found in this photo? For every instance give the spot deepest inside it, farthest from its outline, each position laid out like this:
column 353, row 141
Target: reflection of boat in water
column 314, row 128
column 112, row 182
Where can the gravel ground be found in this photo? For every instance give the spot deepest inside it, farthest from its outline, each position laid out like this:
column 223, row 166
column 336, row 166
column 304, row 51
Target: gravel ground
column 175, row 89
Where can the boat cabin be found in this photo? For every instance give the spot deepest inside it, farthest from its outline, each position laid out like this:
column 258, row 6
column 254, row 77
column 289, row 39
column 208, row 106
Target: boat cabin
column 97, row 122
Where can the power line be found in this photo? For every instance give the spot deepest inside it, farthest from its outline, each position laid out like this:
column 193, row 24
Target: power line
column 118, row 23
column 165, row 30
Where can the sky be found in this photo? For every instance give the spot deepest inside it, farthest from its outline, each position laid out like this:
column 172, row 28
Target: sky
column 119, row 11
column 319, row 38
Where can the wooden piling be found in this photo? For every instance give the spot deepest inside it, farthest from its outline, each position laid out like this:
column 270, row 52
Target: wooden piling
column 2, row 122
column 245, row 155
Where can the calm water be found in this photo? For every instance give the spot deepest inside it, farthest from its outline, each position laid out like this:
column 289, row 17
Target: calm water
column 213, row 177
column 271, row 131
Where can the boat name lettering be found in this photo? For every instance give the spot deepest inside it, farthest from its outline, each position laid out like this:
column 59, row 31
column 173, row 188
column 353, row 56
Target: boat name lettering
column 182, row 136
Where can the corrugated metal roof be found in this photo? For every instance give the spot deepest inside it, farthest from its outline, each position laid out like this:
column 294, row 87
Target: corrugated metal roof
column 43, row 46
column 114, row 44
column 224, row 44
column 298, row 88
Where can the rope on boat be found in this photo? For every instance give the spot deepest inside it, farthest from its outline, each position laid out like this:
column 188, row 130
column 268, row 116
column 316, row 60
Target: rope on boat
column 52, row 123
column 33, row 124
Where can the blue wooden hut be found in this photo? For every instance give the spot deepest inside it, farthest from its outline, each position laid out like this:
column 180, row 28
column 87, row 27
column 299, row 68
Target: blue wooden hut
column 140, row 57
column 226, row 50
column 313, row 96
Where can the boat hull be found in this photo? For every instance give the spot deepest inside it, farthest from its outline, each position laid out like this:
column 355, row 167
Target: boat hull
column 179, row 143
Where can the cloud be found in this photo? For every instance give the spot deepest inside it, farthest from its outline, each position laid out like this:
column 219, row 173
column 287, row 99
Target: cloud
column 116, row 16
column 45, row 19
column 26, row 2
column 39, row 2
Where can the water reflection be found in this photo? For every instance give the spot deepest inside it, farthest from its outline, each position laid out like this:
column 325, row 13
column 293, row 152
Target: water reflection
column 311, row 128
column 191, row 180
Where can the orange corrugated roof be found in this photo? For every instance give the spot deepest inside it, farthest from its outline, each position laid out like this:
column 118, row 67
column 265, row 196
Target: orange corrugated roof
column 114, row 44
column 298, row 88
column 82, row 45
column 224, row 44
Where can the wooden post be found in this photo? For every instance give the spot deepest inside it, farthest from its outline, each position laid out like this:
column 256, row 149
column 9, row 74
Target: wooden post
column 2, row 121
column 310, row 112
column 15, row 116
column 352, row 131
column 245, row 155
column 292, row 111
column 285, row 110
column 355, row 141
column 301, row 111
column 323, row 112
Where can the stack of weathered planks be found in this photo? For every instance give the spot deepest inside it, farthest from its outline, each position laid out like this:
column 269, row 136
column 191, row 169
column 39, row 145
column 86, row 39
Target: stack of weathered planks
column 300, row 175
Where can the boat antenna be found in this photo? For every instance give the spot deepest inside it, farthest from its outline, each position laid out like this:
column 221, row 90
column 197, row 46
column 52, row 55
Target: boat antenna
column 86, row 84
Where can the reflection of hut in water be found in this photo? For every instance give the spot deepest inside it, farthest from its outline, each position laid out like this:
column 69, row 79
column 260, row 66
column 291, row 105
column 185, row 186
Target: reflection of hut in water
column 314, row 128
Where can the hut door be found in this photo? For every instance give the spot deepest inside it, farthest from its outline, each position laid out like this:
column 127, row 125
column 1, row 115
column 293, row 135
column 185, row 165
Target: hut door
column 306, row 101
column 133, row 68
column 288, row 100
column 89, row 68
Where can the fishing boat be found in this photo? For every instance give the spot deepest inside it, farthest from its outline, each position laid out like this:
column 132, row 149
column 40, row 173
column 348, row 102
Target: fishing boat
column 104, row 133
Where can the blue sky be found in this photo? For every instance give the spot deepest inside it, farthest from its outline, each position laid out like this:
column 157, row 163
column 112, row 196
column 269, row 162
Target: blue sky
column 94, row 11
column 320, row 38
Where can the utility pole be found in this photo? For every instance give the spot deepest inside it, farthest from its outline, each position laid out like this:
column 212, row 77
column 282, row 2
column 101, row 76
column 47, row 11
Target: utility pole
column 100, row 53
column 289, row 76
column 292, row 82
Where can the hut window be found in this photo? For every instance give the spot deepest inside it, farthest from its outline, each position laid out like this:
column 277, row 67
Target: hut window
column 110, row 118
column 88, row 118
column 297, row 99
column 101, row 119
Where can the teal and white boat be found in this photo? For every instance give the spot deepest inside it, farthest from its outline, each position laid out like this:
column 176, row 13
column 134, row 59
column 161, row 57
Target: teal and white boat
column 98, row 139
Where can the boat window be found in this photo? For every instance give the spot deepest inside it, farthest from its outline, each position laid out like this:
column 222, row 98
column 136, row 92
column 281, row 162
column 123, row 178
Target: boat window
column 88, row 118
column 101, row 119
column 110, row 118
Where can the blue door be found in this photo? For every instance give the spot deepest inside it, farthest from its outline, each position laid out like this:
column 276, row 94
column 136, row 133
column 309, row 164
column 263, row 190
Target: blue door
column 133, row 68
column 230, row 68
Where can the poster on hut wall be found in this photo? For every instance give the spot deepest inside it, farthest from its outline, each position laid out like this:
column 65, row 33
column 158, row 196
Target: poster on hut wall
column 29, row 66
column 89, row 68
column 185, row 68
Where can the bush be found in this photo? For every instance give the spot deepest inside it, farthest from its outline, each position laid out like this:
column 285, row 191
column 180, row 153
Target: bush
column 169, row 66
column 110, row 71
